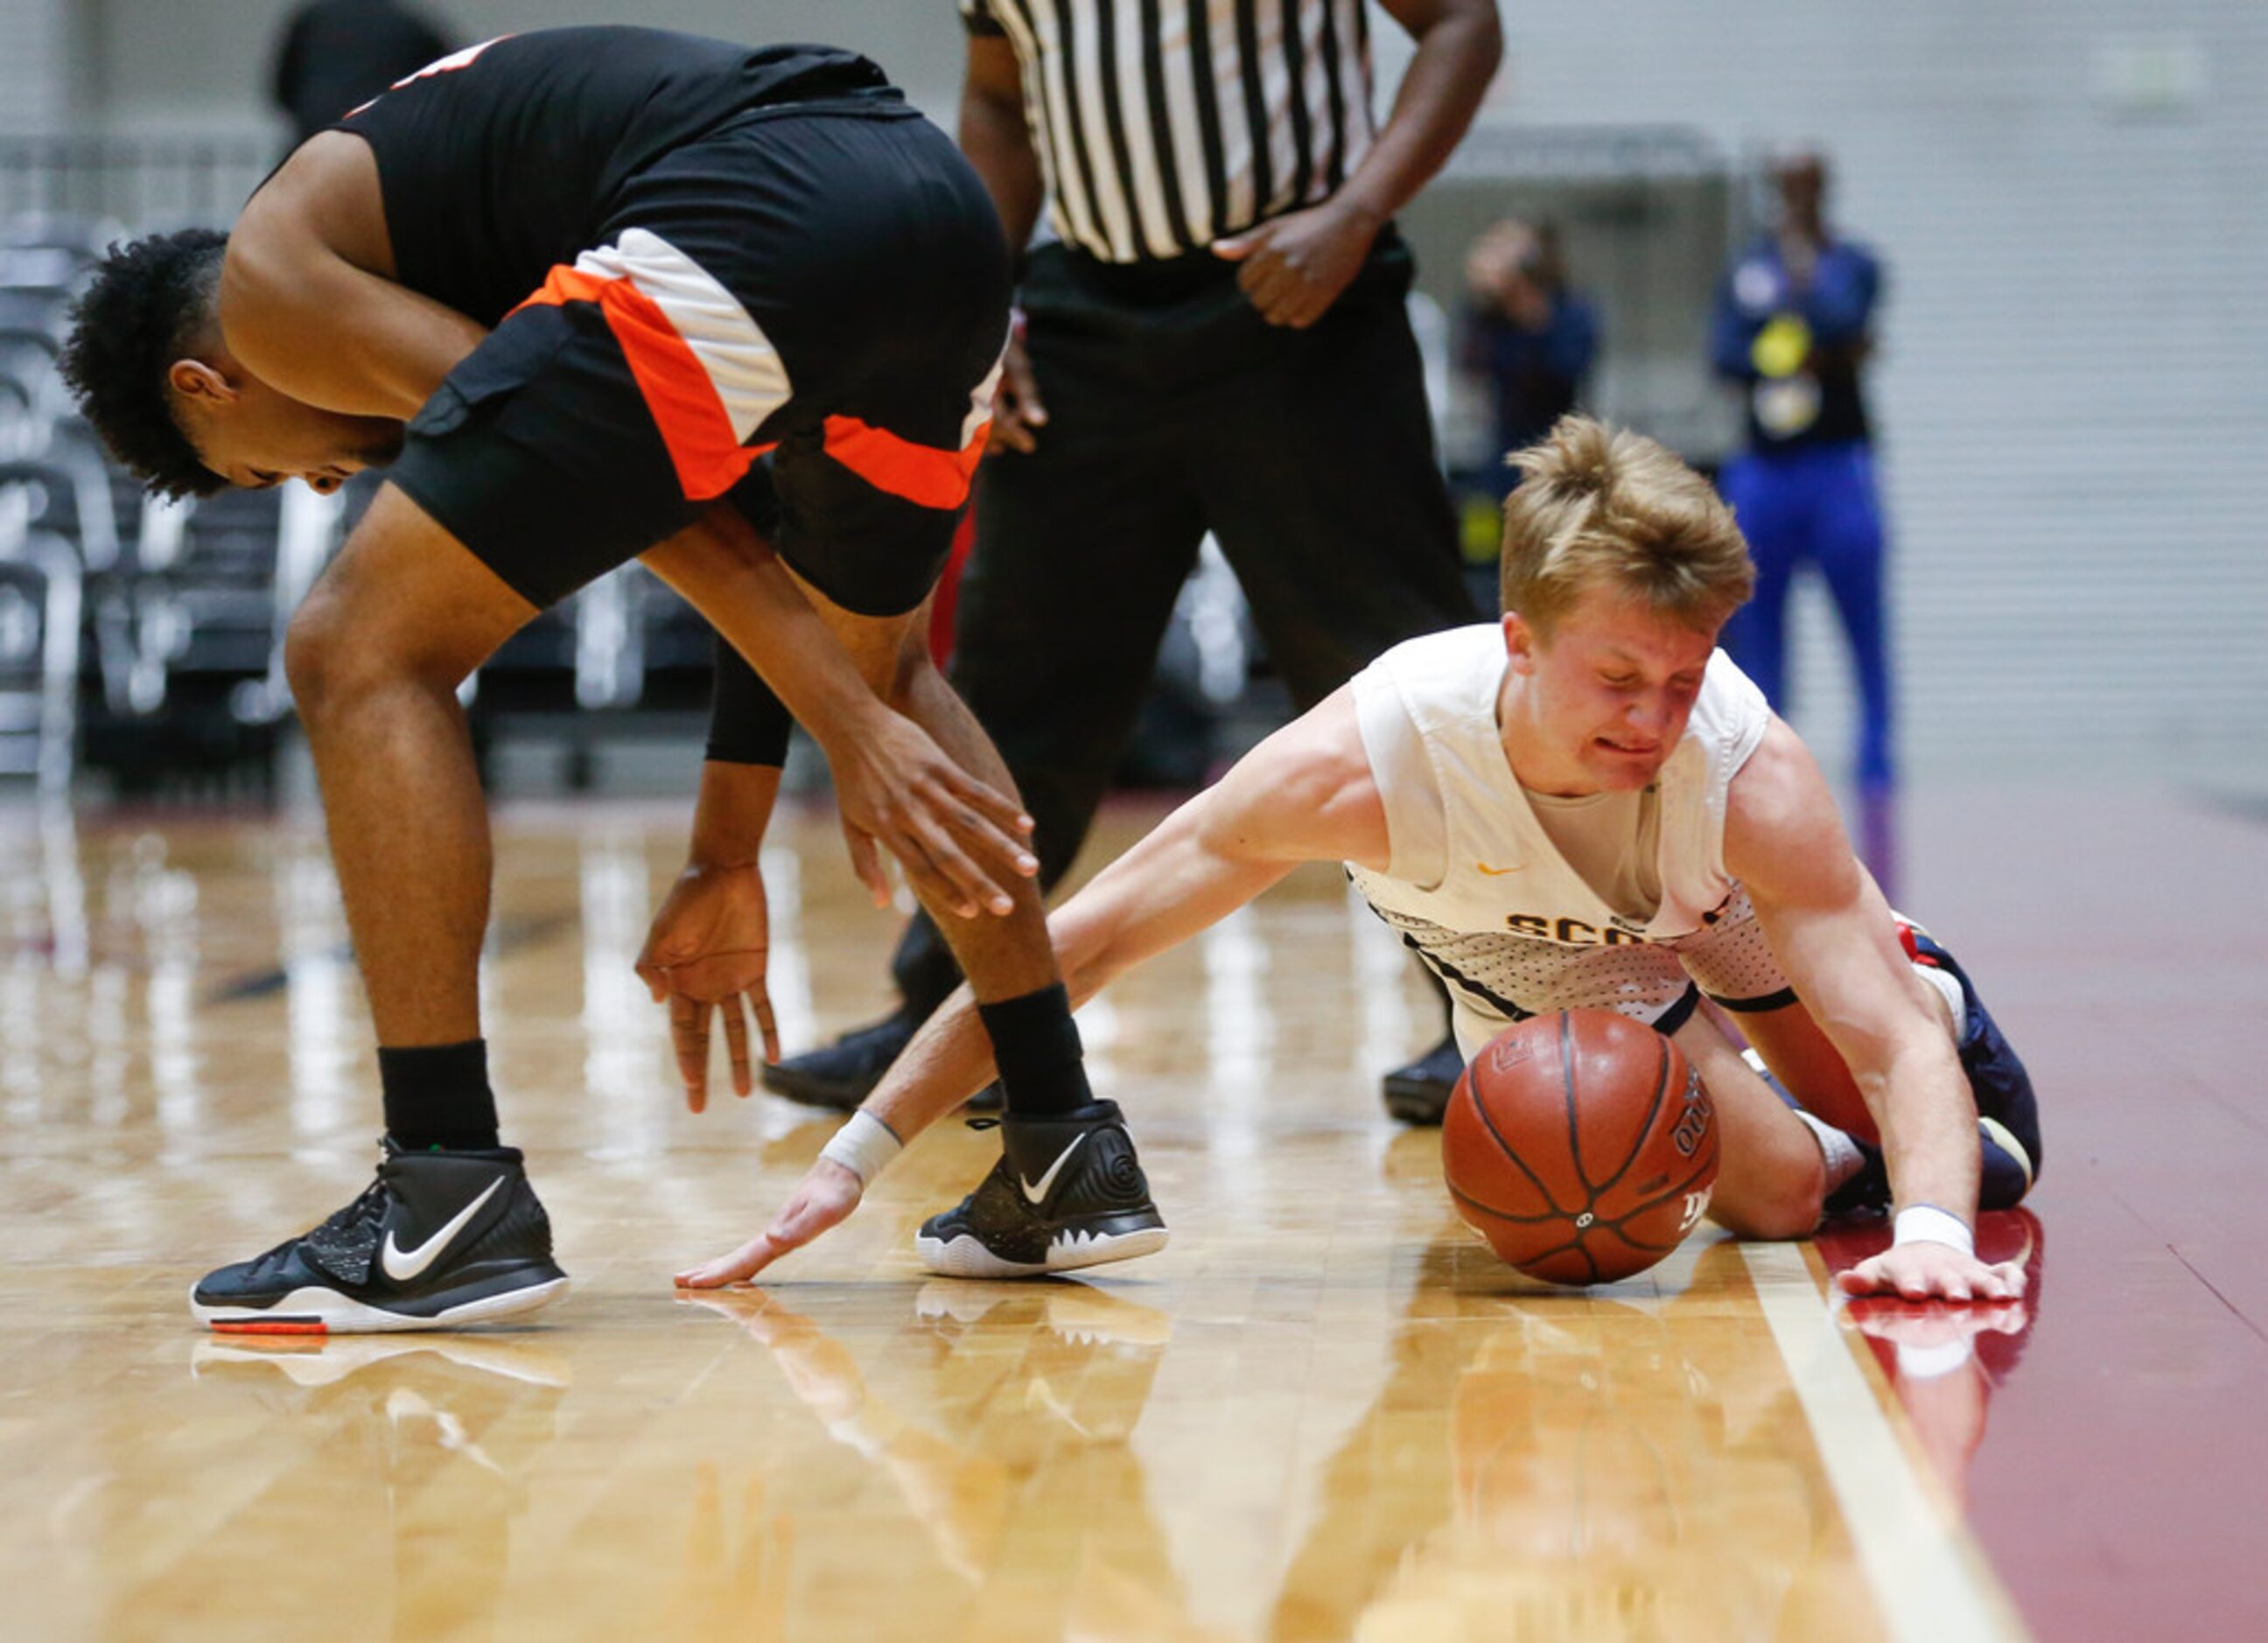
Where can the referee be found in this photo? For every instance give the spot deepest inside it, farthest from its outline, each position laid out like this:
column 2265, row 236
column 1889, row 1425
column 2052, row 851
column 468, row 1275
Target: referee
column 1215, row 339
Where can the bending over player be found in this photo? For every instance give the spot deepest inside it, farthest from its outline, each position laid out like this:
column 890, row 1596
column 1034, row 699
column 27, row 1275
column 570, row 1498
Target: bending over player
column 607, row 293
column 1587, row 806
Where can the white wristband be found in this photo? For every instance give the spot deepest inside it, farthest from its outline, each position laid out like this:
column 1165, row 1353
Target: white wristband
column 863, row 1146
column 1926, row 1223
column 1927, row 1363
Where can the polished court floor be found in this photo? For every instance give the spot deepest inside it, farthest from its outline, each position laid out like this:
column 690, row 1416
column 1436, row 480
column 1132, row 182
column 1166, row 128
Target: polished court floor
column 1323, row 1412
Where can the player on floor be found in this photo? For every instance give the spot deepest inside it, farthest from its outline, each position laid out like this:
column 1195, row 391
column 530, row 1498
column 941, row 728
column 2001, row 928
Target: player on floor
column 1587, row 805
column 581, row 281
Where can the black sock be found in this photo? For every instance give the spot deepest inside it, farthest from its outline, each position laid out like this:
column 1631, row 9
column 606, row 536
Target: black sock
column 438, row 1095
column 1037, row 1044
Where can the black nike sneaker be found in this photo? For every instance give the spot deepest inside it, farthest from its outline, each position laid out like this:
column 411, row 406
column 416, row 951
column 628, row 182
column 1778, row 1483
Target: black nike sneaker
column 1419, row 1093
column 1068, row 1192
column 840, row 1075
column 438, row 1241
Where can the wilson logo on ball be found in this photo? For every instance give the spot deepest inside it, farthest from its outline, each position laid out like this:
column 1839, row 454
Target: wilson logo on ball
column 1693, row 1126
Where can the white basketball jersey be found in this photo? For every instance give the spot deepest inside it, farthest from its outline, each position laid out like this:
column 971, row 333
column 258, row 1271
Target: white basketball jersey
column 1477, row 882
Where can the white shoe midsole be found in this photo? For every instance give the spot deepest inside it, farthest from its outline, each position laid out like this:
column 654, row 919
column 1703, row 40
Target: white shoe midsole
column 343, row 1315
column 965, row 1257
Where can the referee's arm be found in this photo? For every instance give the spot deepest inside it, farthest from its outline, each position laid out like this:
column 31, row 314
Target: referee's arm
column 996, row 138
column 1459, row 44
column 1295, row 266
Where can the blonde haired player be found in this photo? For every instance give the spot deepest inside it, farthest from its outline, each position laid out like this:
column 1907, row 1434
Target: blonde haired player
column 1587, row 805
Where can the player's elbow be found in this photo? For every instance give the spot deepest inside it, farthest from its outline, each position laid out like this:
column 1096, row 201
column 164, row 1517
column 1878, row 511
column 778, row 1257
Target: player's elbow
column 1488, row 34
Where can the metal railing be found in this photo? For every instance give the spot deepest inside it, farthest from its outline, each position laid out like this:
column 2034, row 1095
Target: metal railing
column 140, row 182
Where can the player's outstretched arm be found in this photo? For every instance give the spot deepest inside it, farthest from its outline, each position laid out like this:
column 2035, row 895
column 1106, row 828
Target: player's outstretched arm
column 1835, row 939
column 1305, row 795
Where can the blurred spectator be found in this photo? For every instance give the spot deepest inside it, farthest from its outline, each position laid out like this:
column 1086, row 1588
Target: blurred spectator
column 1528, row 337
column 337, row 54
column 1793, row 326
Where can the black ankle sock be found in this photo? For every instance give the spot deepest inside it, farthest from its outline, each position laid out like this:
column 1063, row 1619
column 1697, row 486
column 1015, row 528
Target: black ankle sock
column 1037, row 1044
column 438, row 1095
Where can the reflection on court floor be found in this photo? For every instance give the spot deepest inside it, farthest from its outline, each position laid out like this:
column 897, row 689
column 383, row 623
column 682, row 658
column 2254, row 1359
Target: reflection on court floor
column 1326, row 1412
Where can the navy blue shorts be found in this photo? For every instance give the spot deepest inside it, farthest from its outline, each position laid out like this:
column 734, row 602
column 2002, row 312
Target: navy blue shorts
column 1997, row 1078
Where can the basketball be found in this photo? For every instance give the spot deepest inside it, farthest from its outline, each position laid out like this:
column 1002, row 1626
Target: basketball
column 1581, row 1146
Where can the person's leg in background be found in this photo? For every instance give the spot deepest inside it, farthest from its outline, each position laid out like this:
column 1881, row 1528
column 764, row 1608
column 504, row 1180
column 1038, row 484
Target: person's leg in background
column 1849, row 545
column 1319, row 474
column 1767, row 499
column 1082, row 546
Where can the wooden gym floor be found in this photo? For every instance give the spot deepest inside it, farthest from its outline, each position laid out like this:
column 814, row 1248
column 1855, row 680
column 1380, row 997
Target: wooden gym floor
column 1323, row 1412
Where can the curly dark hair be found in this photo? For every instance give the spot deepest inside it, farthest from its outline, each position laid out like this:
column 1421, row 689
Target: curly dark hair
column 144, row 310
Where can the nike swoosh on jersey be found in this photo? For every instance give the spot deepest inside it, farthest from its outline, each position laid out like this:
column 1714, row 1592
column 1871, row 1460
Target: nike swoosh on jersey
column 1498, row 873
column 1035, row 1193
column 402, row 1265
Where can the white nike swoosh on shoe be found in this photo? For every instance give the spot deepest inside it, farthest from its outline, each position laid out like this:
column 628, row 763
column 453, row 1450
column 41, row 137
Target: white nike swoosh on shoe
column 402, row 1265
column 1035, row 1192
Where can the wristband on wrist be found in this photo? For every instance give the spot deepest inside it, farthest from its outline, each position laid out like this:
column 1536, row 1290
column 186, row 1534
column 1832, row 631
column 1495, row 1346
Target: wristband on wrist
column 863, row 1146
column 1927, row 1363
column 1926, row 1223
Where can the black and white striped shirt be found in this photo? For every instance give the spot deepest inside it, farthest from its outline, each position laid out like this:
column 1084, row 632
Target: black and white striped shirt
column 1162, row 125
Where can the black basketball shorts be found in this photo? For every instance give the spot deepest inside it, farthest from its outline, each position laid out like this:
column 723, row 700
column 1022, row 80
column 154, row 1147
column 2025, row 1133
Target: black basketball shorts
column 800, row 315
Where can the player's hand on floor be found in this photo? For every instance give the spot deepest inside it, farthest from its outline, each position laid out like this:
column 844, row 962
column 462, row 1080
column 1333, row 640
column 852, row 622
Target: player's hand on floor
column 963, row 845
column 1932, row 1272
column 825, row 1198
column 1016, row 407
column 704, row 956
column 1296, row 265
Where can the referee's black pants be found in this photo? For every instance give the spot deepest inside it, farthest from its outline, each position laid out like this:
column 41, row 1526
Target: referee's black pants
column 1173, row 409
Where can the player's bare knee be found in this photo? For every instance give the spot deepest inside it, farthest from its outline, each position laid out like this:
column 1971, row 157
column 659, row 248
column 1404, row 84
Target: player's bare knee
column 335, row 655
column 1787, row 1205
column 316, row 647
column 1764, row 1223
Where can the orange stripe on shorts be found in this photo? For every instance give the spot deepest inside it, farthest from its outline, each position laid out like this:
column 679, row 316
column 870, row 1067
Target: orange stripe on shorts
column 678, row 393
column 921, row 474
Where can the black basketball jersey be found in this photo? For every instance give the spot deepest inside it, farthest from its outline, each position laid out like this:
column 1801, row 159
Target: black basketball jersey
column 500, row 161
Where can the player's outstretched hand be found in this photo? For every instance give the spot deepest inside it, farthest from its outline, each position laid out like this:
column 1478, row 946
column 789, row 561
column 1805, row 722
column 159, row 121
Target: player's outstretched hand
column 1296, row 265
column 1016, row 407
column 962, row 845
column 825, row 1198
column 705, row 955
column 1927, row 1271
